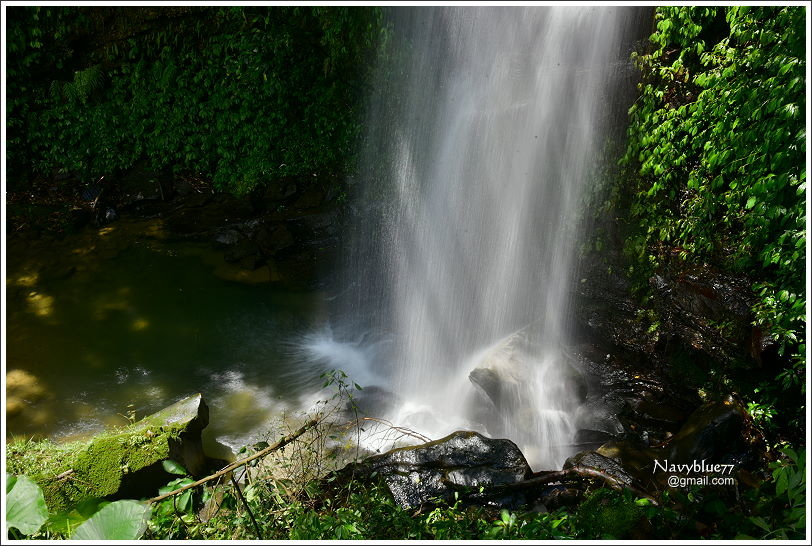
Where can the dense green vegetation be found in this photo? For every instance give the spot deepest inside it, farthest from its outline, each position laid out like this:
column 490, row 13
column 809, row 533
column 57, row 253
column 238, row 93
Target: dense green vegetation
column 716, row 152
column 240, row 95
column 368, row 513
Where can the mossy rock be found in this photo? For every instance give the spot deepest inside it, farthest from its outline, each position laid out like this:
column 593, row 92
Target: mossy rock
column 124, row 462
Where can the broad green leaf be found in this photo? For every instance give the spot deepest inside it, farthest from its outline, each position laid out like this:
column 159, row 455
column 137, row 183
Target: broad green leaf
column 173, row 485
column 25, row 505
column 760, row 523
column 781, row 481
column 184, row 500
column 173, row 467
column 120, row 520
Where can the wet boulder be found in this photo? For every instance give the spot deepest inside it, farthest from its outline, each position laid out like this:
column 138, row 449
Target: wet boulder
column 591, row 439
column 272, row 238
column 694, row 301
column 205, row 215
column 627, row 400
column 462, row 461
column 717, row 432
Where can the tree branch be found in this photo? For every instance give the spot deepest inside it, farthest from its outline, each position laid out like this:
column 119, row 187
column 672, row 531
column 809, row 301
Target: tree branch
column 281, row 443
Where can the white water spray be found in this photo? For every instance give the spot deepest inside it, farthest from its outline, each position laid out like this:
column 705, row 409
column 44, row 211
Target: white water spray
column 476, row 167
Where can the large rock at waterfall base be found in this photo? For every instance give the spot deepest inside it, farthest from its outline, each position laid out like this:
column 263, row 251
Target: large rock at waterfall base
column 435, row 470
column 122, row 463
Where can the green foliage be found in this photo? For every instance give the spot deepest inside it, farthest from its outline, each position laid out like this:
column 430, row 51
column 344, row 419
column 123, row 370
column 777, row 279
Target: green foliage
column 608, row 514
column 351, row 512
column 25, row 505
column 240, row 95
column 308, row 502
column 781, row 508
column 718, row 141
column 719, row 137
column 26, row 513
column 173, row 467
column 63, row 523
column 761, row 413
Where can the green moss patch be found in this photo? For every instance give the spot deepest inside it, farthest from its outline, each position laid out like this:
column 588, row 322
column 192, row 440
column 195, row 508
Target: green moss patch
column 73, row 472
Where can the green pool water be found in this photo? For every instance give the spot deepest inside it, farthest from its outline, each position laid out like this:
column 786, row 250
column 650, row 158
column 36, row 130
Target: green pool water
column 111, row 323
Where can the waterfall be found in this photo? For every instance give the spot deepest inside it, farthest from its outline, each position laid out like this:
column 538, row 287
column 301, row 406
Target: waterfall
column 484, row 135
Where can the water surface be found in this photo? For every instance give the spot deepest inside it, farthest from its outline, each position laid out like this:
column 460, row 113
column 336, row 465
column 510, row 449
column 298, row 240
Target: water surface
column 121, row 321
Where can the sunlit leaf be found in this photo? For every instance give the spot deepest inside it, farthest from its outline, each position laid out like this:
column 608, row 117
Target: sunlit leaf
column 120, row 520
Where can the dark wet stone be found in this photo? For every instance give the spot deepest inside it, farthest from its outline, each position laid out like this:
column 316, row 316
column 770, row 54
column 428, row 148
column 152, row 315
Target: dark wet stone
column 590, row 437
column 227, row 237
column 558, row 496
column 717, row 432
column 91, row 192
column 495, row 387
column 627, row 400
column 435, row 470
column 311, row 197
column 278, row 191
column 243, row 249
column 312, row 227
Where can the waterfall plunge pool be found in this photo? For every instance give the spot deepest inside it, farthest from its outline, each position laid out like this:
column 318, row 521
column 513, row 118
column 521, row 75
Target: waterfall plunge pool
column 120, row 321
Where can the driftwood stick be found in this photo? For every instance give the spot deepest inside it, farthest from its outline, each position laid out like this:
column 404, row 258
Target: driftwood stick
column 281, row 443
